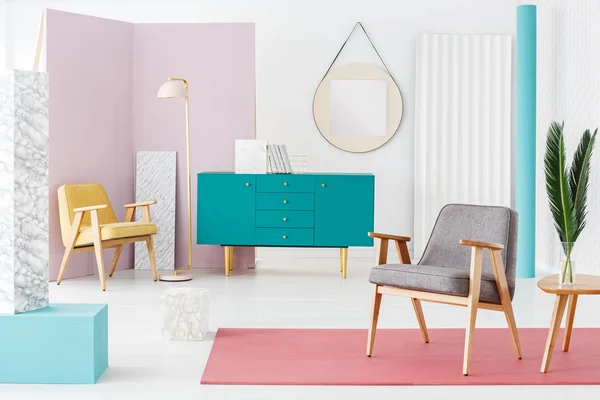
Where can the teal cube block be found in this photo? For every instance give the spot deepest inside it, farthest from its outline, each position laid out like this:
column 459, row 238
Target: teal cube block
column 62, row 343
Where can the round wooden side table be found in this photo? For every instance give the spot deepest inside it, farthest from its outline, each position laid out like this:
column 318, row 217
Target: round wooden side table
column 584, row 284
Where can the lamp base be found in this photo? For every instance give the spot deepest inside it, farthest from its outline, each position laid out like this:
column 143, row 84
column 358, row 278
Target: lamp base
column 175, row 277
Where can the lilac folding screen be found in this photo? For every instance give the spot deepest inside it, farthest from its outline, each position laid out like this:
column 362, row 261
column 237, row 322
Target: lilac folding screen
column 104, row 76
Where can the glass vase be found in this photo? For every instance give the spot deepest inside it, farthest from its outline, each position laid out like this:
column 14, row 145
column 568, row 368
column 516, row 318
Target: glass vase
column 567, row 264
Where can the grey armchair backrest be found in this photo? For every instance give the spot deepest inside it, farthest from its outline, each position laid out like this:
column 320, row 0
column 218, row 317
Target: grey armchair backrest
column 481, row 223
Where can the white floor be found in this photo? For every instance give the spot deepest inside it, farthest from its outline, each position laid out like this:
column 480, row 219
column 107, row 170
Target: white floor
column 303, row 293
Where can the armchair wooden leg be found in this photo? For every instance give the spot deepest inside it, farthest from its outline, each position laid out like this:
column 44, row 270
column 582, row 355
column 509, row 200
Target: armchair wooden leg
column 69, row 248
column 572, row 305
column 374, row 318
column 115, row 259
column 231, row 258
column 63, row 264
column 469, row 335
column 512, row 326
column 98, row 248
column 420, row 318
column 502, row 286
column 150, row 245
column 473, row 302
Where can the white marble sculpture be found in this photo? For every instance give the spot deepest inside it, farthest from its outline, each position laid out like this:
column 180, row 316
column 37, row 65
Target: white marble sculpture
column 250, row 156
column 155, row 180
column 185, row 312
column 24, row 248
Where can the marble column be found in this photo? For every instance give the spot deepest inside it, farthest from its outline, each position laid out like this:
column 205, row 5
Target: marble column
column 155, row 180
column 24, row 248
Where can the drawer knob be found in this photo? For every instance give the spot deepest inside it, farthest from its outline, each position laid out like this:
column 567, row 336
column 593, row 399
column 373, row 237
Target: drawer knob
column 285, row 202
column 285, row 237
column 322, row 184
column 284, row 183
column 284, row 218
column 247, row 184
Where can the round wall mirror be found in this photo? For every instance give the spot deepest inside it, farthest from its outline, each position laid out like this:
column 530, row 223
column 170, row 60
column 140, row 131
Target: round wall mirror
column 357, row 107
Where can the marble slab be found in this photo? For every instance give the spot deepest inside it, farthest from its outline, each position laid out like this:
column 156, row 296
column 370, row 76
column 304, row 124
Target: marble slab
column 155, row 179
column 24, row 247
column 250, row 156
column 185, row 313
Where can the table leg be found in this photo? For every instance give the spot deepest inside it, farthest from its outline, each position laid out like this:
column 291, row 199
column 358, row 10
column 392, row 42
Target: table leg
column 557, row 315
column 569, row 324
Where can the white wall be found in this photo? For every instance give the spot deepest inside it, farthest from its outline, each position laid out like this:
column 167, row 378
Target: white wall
column 295, row 42
column 568, row 90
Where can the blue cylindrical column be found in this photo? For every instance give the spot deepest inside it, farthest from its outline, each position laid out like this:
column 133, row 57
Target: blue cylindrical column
column 525, row 139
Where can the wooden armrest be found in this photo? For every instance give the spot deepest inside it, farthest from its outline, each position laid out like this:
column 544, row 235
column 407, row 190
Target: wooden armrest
column 90, row 208
column 390, row 237
column 144, row 203
column 474, row 243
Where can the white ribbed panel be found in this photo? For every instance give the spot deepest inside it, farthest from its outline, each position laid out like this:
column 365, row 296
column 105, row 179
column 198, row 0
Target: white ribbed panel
column 568, row 88
column 462, row 126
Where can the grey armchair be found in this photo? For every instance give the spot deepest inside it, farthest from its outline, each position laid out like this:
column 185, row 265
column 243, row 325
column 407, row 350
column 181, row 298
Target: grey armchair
column 451, row 273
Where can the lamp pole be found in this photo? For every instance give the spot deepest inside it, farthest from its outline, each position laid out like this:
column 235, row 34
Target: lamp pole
column 173, row 89
column 189, row 177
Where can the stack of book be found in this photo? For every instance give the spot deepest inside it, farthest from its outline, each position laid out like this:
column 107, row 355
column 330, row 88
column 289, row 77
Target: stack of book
column 279, row 161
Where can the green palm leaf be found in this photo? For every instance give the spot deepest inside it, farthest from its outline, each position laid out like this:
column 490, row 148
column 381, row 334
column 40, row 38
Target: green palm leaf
column 579, row 180
column 557, row 186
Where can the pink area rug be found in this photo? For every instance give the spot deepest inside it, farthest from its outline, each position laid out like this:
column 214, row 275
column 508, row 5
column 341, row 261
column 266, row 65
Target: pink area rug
column 337, row 357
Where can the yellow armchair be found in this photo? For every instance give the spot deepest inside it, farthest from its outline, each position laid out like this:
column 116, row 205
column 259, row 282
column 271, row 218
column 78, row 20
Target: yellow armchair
column 88, row 222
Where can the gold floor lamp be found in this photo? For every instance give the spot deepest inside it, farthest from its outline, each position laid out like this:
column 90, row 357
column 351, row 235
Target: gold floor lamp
column 178, row 88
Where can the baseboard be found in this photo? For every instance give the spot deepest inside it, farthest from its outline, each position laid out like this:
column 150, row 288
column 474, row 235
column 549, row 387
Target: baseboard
column 263, row 253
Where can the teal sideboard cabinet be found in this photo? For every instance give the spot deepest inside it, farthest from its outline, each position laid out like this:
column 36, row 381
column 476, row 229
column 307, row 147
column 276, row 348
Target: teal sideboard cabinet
column 308, row 210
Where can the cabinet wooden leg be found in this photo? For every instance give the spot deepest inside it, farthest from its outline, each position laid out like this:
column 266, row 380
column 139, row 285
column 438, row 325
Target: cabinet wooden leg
column 344, row 261
column 231, row 258
column 227, row 259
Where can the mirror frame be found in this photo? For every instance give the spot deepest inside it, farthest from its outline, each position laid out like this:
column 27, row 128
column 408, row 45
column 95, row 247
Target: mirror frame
column 321, row 107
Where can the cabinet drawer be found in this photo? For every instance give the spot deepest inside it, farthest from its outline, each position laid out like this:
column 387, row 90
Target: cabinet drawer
column 285, row 219
column 285, row 201
column 285, row 184
column 284, row 237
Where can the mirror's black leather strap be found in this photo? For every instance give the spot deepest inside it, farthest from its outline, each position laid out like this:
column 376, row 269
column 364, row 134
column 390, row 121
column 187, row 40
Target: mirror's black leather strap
column 358, row 24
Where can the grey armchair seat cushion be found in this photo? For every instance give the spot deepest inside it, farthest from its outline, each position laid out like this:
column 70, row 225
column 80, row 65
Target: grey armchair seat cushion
column 433, row 279
column 445, row 264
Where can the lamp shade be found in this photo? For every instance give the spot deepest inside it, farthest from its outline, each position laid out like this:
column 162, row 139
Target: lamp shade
column 172, row 89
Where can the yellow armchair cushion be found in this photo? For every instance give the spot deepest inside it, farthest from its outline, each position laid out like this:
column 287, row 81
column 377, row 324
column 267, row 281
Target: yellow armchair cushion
column 82, row 195
column 117, row 230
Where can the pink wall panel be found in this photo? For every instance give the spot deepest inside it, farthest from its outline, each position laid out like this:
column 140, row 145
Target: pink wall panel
column 89, row 61
column 104, row 76
column 218, row 62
